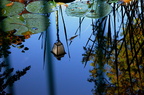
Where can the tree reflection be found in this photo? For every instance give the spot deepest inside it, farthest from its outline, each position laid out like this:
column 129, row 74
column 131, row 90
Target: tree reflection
column 116, row 53
column 115, row 47
column 6, row 79
column 8, row 39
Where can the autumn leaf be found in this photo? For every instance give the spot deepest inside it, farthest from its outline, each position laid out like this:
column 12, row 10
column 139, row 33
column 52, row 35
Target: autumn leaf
column 10, row 4
column 21, row 1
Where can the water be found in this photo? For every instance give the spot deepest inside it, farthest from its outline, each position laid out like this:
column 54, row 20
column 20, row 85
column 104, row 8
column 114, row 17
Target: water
column 70, row 77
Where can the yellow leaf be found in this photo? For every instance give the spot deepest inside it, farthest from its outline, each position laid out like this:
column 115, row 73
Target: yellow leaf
column 27, row 33
column 93, row 71
column 60, row 3
column 92, row 64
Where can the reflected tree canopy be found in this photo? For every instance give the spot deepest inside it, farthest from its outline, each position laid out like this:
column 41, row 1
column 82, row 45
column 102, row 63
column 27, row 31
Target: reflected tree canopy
column 116, row 52
column 7, row 79
column 8, row 39
column 114, row 49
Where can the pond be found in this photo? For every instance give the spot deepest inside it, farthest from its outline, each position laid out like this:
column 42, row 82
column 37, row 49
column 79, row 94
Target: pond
column 76, row 47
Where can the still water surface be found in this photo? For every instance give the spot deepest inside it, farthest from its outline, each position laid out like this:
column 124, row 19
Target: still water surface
column 69, row 76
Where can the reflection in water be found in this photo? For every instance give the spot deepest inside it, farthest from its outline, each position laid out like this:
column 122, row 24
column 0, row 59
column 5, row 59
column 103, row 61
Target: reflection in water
column 9, row 39
column 58, row 50
column 116, row 52
column 115, row 47
column 7, row 79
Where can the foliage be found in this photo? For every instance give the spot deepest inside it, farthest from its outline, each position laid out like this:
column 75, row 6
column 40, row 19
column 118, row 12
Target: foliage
column 88, row 9
column 122, row 61
column 130, row 75
column 16, row 27
column 6, row 79
column 7, row 39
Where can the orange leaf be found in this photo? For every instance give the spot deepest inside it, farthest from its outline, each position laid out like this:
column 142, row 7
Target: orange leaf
column 10, row 4
column 21, row 1
column 126, row 1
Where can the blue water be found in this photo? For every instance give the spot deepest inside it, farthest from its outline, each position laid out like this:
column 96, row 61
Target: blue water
column 70, row 76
